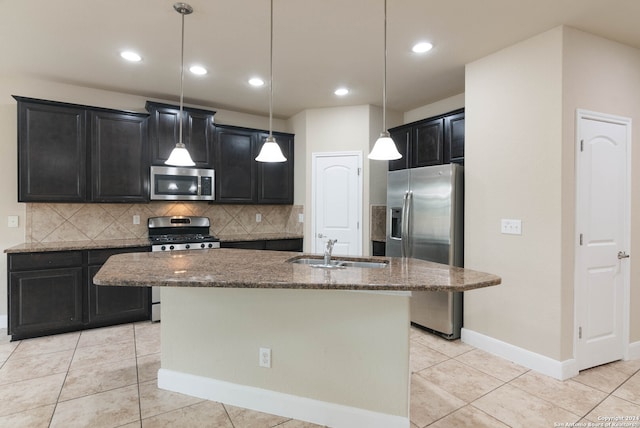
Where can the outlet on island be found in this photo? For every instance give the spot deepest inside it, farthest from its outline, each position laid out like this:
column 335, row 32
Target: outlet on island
column 265, row 358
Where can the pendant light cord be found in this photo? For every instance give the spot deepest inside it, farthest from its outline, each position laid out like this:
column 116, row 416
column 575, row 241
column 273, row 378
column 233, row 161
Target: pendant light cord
column 384, row 75
column 182, row 80
column 271, row 74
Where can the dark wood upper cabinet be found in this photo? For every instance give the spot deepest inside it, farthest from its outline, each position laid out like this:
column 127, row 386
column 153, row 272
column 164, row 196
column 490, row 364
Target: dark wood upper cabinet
column 235, row 165
column 275, row 180
column 74, row 153
column 119, row 159
column 433, row 141
column 402, row 138
column 454, row 138
column 197, row 132
column 240, row 178
column 427, row 144
column 52, row 155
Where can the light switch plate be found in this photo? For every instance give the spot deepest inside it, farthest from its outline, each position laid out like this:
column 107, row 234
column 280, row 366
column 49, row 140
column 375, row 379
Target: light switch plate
column 12, row 221
column 136, row 219
column 301, row 218
column 258, row 218
column 511, row 226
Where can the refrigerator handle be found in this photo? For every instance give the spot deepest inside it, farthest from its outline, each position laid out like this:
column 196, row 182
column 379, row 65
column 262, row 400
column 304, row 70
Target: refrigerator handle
column 406, row 210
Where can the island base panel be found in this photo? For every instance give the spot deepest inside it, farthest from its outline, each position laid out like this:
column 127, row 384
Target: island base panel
column 343, row 354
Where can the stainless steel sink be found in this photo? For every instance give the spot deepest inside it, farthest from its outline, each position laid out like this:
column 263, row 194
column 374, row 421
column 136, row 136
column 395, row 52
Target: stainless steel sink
column 337, row 263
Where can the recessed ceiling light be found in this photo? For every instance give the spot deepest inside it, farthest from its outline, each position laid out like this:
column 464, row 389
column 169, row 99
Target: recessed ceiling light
column 422, row 47
column 198, row 69
column 256, row 81
column 130, row 56
column 341, row 92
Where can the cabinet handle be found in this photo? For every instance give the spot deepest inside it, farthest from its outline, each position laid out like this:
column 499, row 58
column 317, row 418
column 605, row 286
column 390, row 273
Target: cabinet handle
column 623, row 255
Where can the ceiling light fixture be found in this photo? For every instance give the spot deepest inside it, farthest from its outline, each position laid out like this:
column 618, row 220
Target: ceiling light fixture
column 270, row 151
column 198, row 69
column 341, row 92
column 256, row 81
column 422, row 47
column 180, row 155
column 130, row 56
column 384, row 148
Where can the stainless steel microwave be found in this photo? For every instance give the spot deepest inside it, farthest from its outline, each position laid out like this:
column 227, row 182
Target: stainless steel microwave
column 170, row 183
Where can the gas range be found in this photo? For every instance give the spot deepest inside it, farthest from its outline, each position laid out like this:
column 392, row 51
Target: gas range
column 178, row 233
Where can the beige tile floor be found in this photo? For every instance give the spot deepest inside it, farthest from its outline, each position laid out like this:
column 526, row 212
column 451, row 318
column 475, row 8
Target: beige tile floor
column 107, row 378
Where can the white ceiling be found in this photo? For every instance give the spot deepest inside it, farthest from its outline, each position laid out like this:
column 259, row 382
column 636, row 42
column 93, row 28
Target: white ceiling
column 318, row 45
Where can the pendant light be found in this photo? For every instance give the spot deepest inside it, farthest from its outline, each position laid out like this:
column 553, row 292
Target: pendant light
column 384, row 148
column 180, row 155
column 270, row 151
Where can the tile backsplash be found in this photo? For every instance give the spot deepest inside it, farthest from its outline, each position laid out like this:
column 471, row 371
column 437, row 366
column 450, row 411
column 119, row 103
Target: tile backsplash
column 49, row 222
column 378, row 222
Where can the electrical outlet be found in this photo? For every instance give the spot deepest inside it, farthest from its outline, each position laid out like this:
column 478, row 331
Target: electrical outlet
column 511, row 226
column 136, row 219
column 258, row 218
column 264, row 359
column 301, row 218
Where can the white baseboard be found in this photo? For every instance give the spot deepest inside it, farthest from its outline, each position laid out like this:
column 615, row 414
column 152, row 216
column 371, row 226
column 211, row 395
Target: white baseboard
column 277, row 403
column 548, row 366
column 4, row 321
column 634, row 351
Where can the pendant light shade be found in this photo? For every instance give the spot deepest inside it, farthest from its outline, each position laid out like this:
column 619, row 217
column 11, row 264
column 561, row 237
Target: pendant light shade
column 384, row 148
column 180, row 155
column 270, row 151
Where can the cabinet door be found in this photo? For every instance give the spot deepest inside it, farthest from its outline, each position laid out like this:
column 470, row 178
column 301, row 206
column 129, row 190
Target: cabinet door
column 402, row 138
column 199, row 137
column 115, row 305
column 45, row 302
column 454, row 138
column 236, row 169
column 245, row 245
column 164, row 132
column 119, row 166
column 51, row 153
column 275, row 180
column 427, row 145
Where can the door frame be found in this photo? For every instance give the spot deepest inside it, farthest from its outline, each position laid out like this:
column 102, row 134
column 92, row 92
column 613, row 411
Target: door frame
column 314, row 157
column 625, row 268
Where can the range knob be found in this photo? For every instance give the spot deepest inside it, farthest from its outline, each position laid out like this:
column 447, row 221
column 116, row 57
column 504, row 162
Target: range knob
column 163, row 248
column 210, row 245
column 171, row 247
column 187, row 246
column 201, row 245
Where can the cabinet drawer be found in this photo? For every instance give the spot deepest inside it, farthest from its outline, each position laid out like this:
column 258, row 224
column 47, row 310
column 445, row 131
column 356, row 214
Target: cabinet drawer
column 57, row 259
column 98, row 257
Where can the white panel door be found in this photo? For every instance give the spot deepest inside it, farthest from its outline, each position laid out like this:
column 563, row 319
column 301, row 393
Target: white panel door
column 337, row 201
column 602, row 268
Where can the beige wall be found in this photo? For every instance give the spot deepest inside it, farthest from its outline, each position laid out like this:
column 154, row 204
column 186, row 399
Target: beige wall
column 513, row 152
column 520, row 132
column 439, row 107
column 338, row 130
column 602, row 76
column 350, row 348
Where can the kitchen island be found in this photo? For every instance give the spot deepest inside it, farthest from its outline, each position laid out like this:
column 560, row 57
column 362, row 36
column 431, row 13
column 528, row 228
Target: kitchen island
column 336, row 340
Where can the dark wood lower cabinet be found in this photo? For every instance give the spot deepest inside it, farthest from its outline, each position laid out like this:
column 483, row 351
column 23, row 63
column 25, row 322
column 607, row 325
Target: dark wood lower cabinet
column 115, row 305
column 45, row 302
column 294, row 244
column 53, row 292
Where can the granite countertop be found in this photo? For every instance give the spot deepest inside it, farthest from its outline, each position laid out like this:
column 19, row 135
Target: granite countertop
column 233, row 268
column 37, row 247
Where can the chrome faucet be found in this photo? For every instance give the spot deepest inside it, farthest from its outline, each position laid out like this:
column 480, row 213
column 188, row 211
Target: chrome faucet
column 328, row 250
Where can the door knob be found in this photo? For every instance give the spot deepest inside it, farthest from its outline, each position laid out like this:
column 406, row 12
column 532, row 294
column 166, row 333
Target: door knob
column 623, row 255
column 320, row 235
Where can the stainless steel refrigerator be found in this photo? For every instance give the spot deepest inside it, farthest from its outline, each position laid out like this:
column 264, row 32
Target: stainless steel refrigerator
column 425, row 220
